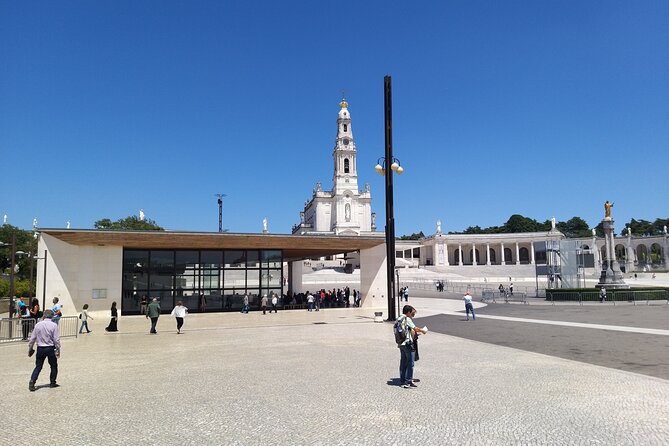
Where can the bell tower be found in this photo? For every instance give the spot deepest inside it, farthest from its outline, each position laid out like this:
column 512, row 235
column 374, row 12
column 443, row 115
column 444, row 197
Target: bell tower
column 345, row 167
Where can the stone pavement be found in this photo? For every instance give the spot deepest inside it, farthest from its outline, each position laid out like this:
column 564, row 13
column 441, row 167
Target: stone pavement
column 319, row 378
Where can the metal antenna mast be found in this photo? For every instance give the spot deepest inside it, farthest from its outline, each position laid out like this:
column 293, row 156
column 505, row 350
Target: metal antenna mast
column 220, row 211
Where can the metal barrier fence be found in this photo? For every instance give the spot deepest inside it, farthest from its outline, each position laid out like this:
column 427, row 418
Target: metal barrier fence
column 462, row 287
column 617, row 296
column 494, row 296
column 19, row 329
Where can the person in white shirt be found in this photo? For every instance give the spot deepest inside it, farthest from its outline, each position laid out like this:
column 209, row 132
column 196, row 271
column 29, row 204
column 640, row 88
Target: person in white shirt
column 179, row 312
column 310, row 301
column 468, row 305
column 275, row 301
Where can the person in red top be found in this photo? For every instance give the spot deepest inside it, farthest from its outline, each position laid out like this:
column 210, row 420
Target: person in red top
column 47, row 337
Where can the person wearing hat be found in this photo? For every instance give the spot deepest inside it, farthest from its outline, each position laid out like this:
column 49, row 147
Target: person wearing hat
column 47, row 337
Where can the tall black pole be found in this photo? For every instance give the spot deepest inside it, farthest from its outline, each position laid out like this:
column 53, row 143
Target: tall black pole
column 390, row 217
column 220, row 214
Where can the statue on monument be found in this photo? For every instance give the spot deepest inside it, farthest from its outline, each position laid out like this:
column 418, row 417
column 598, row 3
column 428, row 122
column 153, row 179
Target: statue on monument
column 438, row 226
column 607, row 209
column 264, row 225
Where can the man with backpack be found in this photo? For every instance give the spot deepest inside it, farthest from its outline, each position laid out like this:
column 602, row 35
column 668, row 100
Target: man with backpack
column 405, row 333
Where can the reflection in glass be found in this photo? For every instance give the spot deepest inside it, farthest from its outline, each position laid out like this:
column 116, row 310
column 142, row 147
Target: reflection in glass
column 235, row 259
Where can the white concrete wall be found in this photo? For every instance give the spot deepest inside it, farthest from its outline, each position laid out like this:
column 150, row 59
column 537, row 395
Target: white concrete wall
column 73, row 272
column 373, row 277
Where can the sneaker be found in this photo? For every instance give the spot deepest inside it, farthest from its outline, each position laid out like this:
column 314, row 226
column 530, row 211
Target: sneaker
column 412, row 384
column 405, row 386
column 31, row 386
column 52, row 385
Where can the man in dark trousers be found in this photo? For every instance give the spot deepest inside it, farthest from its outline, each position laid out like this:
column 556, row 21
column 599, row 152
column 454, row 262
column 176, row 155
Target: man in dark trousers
column 47, row 337
column 153, row 312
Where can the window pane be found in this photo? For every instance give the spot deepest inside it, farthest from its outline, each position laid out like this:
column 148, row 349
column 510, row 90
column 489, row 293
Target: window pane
column 187, row 260
column 252, row 259
column 135, row 260
column 161, row 281
column 134, row 281
column 211, row 259
column 271, row 259
column 253, row 278
column 235, row 259
column 234, row 279
column 162, row 260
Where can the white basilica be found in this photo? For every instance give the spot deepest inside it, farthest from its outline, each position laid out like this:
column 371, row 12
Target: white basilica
column 344, row 210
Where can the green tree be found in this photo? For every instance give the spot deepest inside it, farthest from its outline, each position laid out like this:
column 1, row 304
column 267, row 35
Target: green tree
column 26, row 244
column 518, row 223
column 414, row 236
column 132, row 223
column 574, row 227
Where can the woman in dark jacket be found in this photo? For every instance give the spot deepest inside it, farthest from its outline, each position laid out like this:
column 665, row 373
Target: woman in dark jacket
column 114, row 318
column 34, row 309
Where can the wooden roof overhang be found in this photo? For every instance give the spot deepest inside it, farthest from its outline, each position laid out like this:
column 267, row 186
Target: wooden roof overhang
column 294, row 247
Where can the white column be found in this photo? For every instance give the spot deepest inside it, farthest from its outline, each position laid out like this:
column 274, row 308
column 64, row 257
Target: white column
column 517, row 254
column 503, row 260
column 446, row 253
column 474, row 254
column 460, row 250
column 532, row 252
column 487, row 253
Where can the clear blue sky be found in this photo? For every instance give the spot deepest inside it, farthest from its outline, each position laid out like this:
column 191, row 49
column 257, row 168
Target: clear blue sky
column 539, row 108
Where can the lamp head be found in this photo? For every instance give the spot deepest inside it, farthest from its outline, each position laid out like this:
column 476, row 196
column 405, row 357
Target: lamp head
column 379, row 169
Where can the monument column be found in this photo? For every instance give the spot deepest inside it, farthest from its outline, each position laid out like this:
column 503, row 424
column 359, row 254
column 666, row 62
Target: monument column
column 487, row 253
column 460, row 256
column 503, row 260
column 611, row 276
column 517, row 255
column 596, row 253
column 446, row 253
column 474, row 254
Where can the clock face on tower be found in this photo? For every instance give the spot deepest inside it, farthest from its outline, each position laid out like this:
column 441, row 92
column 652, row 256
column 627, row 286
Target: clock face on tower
column 345, row 141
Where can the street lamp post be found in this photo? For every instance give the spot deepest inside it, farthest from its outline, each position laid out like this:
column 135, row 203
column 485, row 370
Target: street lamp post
column 386, row 166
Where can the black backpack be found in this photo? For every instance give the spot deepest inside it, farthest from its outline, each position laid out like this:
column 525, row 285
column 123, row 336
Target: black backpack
column 400, row 329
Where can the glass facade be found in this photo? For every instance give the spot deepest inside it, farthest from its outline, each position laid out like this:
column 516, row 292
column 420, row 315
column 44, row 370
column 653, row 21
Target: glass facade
column 222, row 277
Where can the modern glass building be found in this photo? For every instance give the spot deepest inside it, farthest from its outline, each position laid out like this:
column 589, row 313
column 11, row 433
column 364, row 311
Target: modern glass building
column 204, row 280
column 206, row 271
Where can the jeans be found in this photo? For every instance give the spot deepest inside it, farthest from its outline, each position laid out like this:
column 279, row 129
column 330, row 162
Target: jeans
column 42, row 354
column 406, row 364
column 468, row 308
column 154, row 321
column 180, row 322
column 84, row 324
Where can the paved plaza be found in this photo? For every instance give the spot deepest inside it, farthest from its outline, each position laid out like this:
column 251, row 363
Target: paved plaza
column 330, row 378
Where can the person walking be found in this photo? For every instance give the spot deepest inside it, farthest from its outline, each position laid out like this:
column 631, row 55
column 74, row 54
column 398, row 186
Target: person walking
column 245, row 304
column 468, row 305
column 263, row 304
column 47, row 337
column 407, row 348
column 153, row 312
column 179, row 312
column 406, row 294
column 143, row 304
column 57, row 310
column 113, row 323
column 310, row 301
column 511, row 288
column 84, row 316
column 275, row 302
column 602, row 295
